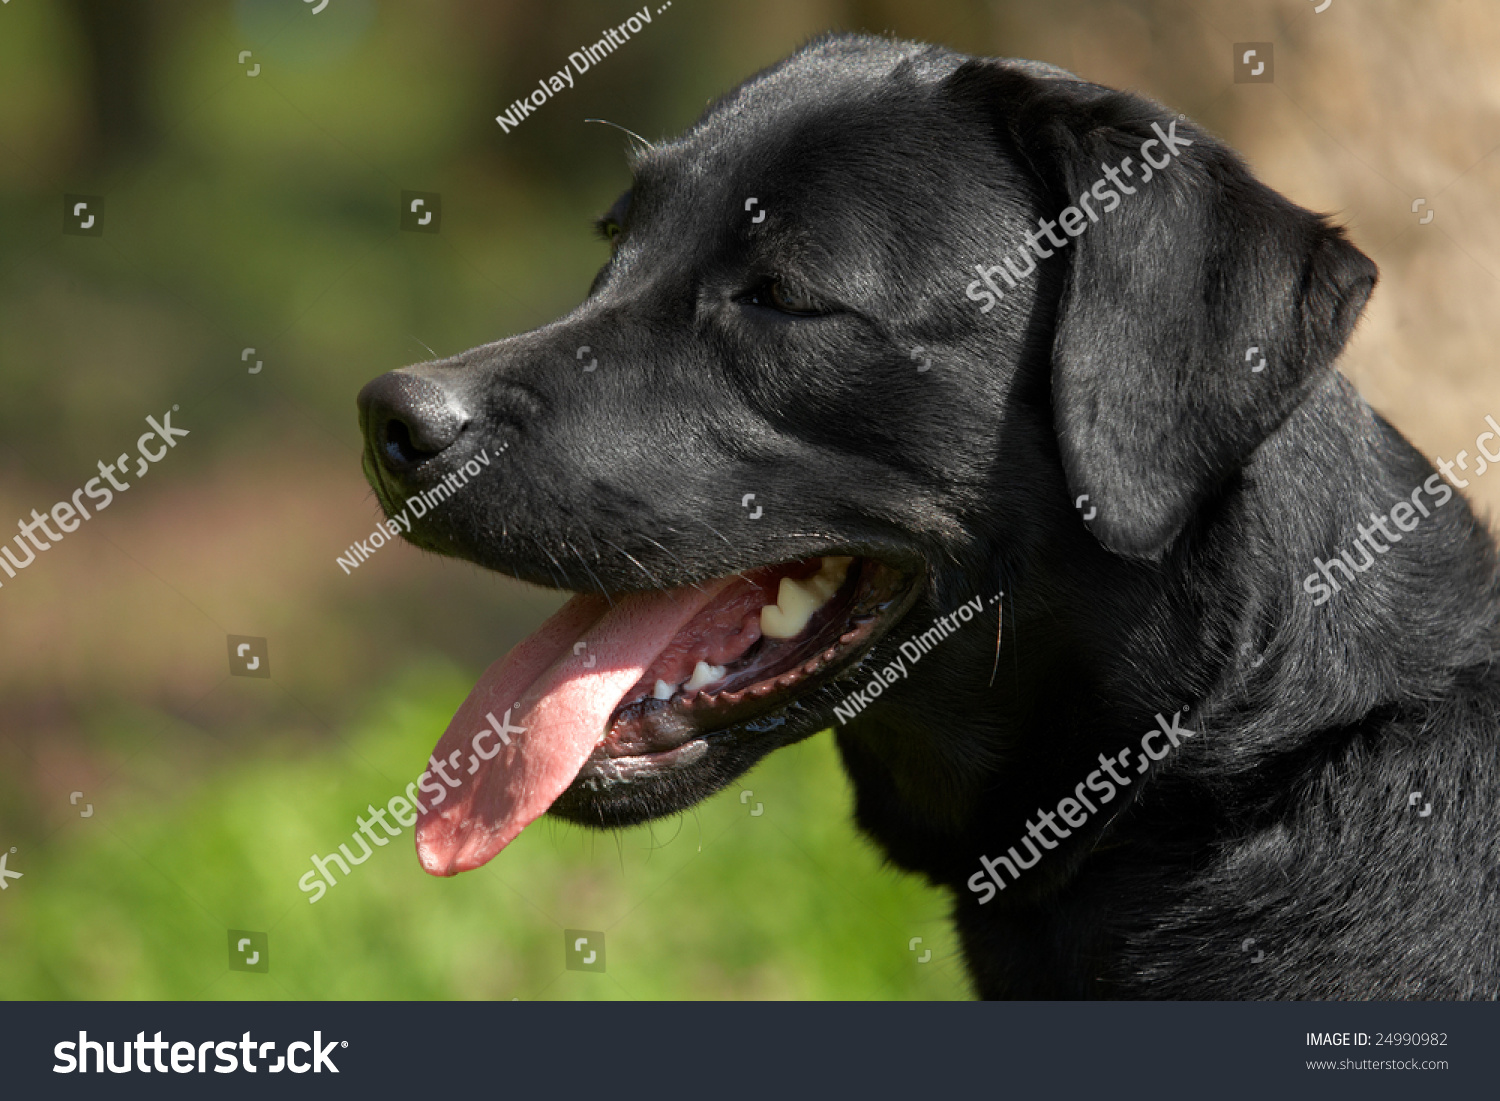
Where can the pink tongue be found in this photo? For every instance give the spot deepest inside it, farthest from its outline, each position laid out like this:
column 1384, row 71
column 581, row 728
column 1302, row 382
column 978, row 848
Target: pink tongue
column 560, row 686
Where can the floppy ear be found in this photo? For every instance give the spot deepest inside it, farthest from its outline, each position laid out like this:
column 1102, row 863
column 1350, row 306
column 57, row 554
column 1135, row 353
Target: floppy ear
column 1172, row 297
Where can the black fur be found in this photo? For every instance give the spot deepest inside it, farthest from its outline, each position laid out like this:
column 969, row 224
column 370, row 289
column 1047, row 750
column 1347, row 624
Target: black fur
column 886, row 172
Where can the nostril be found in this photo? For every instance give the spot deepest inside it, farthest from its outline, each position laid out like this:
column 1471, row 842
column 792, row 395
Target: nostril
column 408, row 419
column 398, row 446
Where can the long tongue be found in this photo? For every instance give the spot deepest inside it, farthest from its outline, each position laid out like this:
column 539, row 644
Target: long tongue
column 550, row 699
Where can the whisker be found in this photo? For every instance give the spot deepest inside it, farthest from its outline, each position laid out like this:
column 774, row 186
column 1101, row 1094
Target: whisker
column 584, row 563
column 710, row 527
column 999, row 621
column 610, row 600
column 653, row 578
column 622, row 130
column 566, row 581
column 670, row 555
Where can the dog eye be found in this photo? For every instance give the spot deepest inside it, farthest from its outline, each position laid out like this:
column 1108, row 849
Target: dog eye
column 609, row 230
column 777, row 295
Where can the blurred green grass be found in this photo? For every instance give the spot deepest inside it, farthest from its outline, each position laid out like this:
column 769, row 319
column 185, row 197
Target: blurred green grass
column 135, row 902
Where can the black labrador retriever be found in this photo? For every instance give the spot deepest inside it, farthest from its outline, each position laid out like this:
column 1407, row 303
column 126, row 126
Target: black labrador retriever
column 988, row 416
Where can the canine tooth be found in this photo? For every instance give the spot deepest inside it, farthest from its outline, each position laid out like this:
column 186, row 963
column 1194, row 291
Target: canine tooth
column 703, row 673
column 796, row 601
column 794, row 606
column 664, row 691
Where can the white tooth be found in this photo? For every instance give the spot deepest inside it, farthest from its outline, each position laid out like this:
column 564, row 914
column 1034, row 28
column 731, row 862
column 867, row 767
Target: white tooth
column 664, row 691
column 796, row 601
column 793, row 608
column 703, row 673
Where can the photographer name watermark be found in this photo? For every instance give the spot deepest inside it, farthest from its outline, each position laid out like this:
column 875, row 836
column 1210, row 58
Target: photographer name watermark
column 580, row 61
column 418, row 505
column 913, row 650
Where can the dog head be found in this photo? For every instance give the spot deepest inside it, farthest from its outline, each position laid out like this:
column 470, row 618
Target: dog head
column 836, row 384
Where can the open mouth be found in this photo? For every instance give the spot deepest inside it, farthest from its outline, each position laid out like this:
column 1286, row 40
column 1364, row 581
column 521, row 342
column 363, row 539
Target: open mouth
column 617, row 691
column 765, row 637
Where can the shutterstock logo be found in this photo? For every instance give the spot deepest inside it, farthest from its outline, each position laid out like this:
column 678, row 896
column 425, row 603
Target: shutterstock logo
column 189, row 1058
column 1113, row 775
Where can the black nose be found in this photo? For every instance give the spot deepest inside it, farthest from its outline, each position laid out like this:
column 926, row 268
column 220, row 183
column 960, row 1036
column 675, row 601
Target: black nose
column 407, row 419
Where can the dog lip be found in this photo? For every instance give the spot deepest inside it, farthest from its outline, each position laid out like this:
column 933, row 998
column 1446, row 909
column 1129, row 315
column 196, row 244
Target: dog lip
column 602, row 772
column 376, row 478
column 900, row 560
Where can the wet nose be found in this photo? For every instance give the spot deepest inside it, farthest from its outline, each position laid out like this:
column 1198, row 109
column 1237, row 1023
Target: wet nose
column 408, row 419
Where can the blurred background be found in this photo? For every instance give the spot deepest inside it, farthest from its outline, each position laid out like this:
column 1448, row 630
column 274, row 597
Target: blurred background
column 153, row 802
